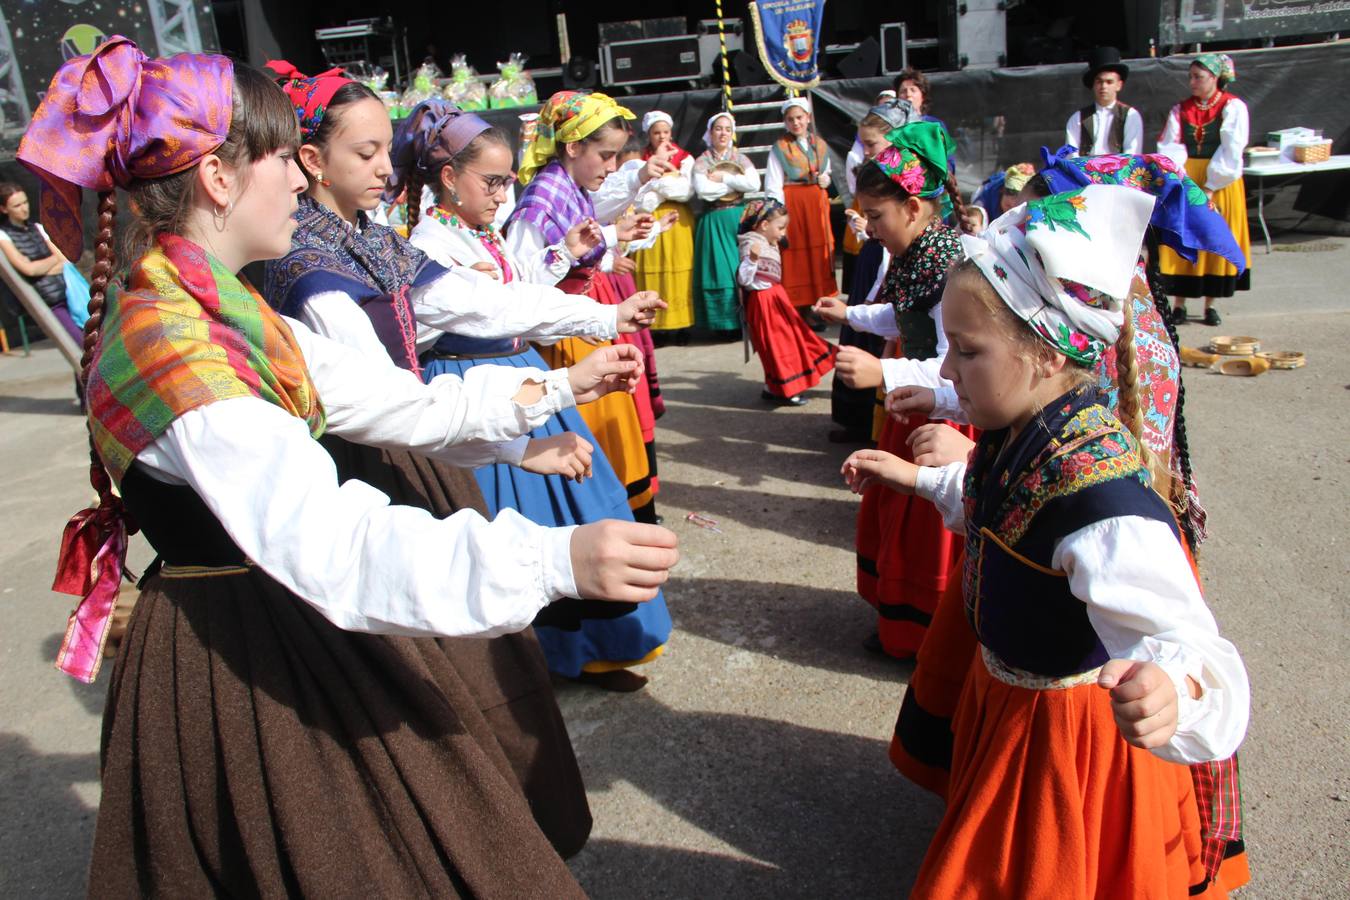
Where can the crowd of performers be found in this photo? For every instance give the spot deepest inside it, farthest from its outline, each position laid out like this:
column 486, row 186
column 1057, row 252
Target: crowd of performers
column 412, row 480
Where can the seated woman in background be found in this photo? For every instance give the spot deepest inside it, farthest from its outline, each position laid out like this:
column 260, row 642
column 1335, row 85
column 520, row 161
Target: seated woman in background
column 35, row 257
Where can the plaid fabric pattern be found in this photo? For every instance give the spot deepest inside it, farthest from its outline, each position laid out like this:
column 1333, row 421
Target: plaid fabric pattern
column 553, row 203
column 1218, row 794
column 187, row 332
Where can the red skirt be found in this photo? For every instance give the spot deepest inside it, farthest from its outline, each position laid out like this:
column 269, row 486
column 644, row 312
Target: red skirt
column 1048, row 801
column 808, row 260
column 905, row 553
column 794, row 357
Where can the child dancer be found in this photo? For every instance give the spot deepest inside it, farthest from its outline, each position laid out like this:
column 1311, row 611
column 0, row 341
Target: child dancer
column 797, row 176
column 579, row 137
column 793, row 357
column 256, row 741
column 467, row 164
column 854, row 409
column 1099, row 663
column 905, row 555
column 722, row 177
column 667, row 267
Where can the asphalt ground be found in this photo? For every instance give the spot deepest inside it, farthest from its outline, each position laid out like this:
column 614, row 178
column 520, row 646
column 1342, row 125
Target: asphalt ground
column 754, row 763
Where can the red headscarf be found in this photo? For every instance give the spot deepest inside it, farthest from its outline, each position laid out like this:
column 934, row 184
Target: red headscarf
column 309, row 95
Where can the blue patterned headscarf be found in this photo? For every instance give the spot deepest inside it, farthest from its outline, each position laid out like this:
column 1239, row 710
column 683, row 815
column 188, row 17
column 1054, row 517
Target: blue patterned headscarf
column 1183, row 218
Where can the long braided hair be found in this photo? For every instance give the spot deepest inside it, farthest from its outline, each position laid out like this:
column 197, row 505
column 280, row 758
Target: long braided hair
column 100, row 277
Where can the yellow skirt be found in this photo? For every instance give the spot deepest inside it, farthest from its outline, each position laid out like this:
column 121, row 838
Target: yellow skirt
column 1211, row 275
column 613, row 420
column 667, row 267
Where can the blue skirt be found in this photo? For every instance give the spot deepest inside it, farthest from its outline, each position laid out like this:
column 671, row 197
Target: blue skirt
column 573, row 642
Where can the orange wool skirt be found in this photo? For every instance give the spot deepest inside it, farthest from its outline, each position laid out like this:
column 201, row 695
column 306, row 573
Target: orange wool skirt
column 614, row 419
column 808, row 260
column 905, row 553
column 1047, row 800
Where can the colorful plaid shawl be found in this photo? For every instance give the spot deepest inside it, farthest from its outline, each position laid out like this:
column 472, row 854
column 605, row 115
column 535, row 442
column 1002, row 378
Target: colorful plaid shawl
column 553, row 202
column 187, row 332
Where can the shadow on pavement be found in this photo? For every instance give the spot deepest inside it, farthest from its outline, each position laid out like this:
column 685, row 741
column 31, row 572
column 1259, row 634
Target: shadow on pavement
column 47, row 830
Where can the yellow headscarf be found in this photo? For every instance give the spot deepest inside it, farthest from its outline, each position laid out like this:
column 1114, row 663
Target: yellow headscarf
column 566, row 118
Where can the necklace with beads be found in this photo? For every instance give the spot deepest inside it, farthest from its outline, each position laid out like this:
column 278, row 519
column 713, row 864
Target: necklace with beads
column 451, row 220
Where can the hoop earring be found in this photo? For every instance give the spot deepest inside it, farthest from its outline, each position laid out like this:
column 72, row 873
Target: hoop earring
column 220, row 215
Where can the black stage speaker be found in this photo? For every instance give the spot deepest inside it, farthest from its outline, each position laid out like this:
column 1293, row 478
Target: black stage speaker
column 580, row 74
column 748, row 69
column 864, row 62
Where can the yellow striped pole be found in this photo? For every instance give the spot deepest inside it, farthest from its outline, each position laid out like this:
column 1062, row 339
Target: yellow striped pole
column 726, row 68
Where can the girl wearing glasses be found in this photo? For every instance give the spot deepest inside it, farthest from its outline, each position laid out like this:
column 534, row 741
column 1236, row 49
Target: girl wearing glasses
column 466, row 164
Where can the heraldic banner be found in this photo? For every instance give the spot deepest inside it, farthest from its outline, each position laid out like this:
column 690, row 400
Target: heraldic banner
column 787, row 33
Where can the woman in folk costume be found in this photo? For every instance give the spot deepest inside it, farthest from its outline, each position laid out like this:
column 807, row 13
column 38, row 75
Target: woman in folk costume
column 345, row 273
column 667, row 267
column 722, row 177
column 798, row 176
column 1182, row 219
column 1099, row 668
column 905, row 555
column 1207, row 133
column 276, row 711
column 467, row 164
column 579, row 137
column 854, row 409
column 794, row 358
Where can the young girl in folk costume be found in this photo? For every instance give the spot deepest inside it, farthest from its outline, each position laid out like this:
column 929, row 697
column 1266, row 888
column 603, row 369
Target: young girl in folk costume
column 797, row 176
column 854, row 409
column 467, row 163
column 722, row 177
column 794, row 357
column 1207, row 133
column 345, row 273
column 667, row 267
column 1181, row 219
column 1099, row 663
column 579, row 137
column 905, row 556
column 256, row 741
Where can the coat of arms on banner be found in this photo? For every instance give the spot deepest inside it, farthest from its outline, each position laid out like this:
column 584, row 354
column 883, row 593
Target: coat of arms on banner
column 787, row 35
column 798, row 40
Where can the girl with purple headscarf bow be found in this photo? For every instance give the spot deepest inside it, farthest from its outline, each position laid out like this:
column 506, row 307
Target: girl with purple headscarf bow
column 466, row 165
column 276, row 631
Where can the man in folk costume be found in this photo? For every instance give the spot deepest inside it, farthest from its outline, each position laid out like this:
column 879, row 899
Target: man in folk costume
column 1106, row 125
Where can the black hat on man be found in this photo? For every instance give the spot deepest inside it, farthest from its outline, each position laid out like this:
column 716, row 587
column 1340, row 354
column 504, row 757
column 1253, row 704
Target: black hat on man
column 1105, row 59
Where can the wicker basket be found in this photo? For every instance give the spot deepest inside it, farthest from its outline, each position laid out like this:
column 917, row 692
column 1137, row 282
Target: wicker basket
column 1312, row 153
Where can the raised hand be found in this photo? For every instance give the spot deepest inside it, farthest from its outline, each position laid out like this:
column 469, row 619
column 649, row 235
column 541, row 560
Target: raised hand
column 624, row 265
column 566, row 454
column 617, row 367
column 938, row 444
column 831, row 309
column 1143, row 700
column 583, row 237
column 910, row 400
column 858, row 368
column 657, row 166
column 622, row 561
column 639, row 311
column 634, row 227
column 865, row 468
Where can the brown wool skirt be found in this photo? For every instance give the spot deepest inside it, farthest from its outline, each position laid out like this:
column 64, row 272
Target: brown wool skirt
column 251, row 748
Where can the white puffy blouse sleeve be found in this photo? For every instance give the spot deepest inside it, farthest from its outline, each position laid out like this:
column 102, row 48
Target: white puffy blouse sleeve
column 364, row 564
column 540, row 262
column 618, row 191
column 1073, row 130
column 943, row 487
column 1225, row 167
column 1144, row 604
column 1170, row 143
column 773, row 177
column 743, row 184
column 707, row 189
column 467, row 302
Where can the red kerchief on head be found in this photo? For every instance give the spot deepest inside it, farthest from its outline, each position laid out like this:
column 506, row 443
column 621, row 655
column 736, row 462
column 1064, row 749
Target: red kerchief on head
column 117, row 116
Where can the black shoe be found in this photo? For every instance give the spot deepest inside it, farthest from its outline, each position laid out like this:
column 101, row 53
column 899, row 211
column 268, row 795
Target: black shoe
column 776, row 400
column 1178, row 315
column 844, row 436
column 1212, row 317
